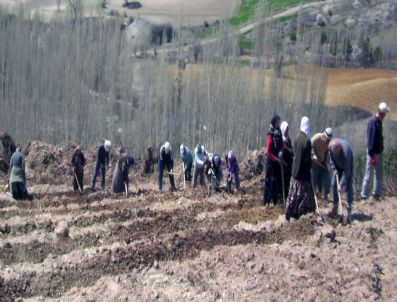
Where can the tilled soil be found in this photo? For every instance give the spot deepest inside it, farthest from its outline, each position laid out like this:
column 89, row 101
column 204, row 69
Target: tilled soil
column 114, row 240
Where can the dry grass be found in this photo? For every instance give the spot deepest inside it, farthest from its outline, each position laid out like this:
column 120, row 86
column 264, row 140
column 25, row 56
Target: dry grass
column 363, row 88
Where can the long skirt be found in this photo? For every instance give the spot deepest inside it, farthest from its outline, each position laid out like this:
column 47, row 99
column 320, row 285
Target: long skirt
column 118, row 185
column 18, row 191
column 300, row 199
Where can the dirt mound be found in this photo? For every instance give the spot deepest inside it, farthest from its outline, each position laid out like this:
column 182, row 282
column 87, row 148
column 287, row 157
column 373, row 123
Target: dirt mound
column 252, row 164
column 47, row 163
column 7, row 148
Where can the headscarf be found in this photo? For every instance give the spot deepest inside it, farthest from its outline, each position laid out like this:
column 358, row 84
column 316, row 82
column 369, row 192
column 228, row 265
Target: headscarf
column 305, row 126
column 107, row 144
column 284, row 126
column 230, row 154
column 167, row 147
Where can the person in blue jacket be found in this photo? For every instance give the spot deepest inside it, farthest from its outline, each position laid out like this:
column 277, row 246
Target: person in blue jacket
column 341, row 162
column 187, row 159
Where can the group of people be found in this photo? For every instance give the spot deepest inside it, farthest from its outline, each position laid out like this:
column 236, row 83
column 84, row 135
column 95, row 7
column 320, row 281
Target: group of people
column 318, row 163
column 207, row 167
column 120, row 180
column 313, row 165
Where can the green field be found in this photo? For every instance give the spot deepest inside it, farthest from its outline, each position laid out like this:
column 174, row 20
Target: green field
column 247, row 9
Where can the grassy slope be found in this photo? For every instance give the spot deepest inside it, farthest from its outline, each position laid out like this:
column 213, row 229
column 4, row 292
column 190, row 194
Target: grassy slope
column 247, row 9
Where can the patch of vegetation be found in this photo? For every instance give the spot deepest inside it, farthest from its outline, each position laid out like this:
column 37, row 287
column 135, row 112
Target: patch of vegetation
column 245, row 43
column 245, row 13
column 278, row 5
column 247, row 10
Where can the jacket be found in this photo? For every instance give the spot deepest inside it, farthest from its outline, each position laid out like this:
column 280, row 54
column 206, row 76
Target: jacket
column 103, row 155
column 274, row 143
column 164, row 158
column 344, row 163
column 199, row 158
column 375, row 136
column 303, row 160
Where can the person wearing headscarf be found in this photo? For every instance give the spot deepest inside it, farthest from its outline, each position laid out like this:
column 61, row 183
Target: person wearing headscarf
column 102, row 163
column 78, row 162
column 274, row 161
column 320, row 170
column 187, row 159
column 288, row 156
column 232, row 172
column 200, row 156
column 18, row 176
column 120, row 180
column 166, row 161
column 300, row 199
column 342, row 165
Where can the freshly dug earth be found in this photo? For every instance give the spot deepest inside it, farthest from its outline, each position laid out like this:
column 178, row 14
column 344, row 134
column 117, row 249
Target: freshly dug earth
column 186, row 246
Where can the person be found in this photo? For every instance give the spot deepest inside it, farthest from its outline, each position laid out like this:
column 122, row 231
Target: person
column 232, row 172
column 150, row 160
column 165, row 161
column 341, row 161
column 187, row 159
column 102, row 163
column 213, row 171
column 274, row 153
column 120, row 178
column 300, row 198
column 18, row 176
column 320, row 170
column 374, row 154
column 200, row 156
column 78, row 162
column 288, row 156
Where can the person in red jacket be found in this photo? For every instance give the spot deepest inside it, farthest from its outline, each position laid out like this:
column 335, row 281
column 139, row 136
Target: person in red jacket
column 274, row 153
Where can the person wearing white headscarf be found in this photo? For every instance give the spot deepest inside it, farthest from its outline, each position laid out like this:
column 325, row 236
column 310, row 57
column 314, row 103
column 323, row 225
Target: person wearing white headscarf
column 301, row 196
column 288, row 156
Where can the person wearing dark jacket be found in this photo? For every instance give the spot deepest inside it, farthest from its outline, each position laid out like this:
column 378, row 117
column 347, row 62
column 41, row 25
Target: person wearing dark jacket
column 120, row 180
column 374, row 154
column 18, row 177
column 300, row 199
column 232, row 172
column 187, row 159
column 150, row 161
column 274, row 154
column 102, row 163
column 288, row 156
column 213, row 170
column 166, row 161
column 341, row 162
column 78, row 162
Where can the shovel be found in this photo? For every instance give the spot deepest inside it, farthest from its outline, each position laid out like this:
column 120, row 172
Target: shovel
column 126, row 189
column 339, row 196
column 282, row 183
column 78, row 183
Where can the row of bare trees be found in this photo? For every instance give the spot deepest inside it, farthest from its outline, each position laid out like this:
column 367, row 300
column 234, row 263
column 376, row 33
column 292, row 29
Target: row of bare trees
column 80, row 82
